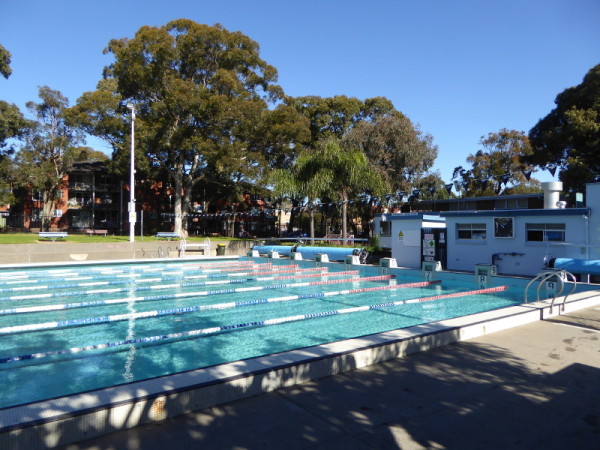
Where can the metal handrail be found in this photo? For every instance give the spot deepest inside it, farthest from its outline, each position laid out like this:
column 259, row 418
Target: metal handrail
column 574, row 280
column 544, row 276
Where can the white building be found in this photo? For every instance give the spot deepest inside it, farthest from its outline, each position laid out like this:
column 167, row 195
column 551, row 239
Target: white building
column 403, row 234
column 517, row 241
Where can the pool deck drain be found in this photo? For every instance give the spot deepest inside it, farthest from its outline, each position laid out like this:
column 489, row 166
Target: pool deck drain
column 79, row 417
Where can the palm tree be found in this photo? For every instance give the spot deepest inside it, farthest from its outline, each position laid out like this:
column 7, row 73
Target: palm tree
column 330, row 171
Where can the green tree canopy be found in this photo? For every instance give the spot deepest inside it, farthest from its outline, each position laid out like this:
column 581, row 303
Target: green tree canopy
column 334, row 117
column 5, row 56
column 48, row 152
column 500, row 162
column 568, row 138
column 202, row 96
column 13, row 125
column 398, row 150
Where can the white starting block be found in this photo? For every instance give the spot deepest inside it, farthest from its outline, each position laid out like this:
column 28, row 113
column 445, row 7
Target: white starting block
column 430, row 268
column 321, row 258
column 484, row 274
column 386, row 264
column 352, row 260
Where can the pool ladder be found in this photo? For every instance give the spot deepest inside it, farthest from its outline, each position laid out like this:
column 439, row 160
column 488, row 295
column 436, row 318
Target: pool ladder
column 557, row 276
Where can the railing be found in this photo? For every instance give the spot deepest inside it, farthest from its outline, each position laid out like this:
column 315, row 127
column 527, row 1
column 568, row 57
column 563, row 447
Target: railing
column 560, row 276
column 349, row 240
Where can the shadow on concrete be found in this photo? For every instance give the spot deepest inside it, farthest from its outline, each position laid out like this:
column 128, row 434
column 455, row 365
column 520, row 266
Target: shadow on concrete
column 466, row 395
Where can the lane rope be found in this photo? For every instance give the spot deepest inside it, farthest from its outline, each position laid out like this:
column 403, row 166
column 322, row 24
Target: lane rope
column 136, row 286
column 45, row 308
column 260, row 323
column 64, row 306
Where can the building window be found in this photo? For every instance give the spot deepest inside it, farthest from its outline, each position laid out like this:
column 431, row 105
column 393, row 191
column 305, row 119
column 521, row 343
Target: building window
column 470, row 230
column 386, row 228
column 503, row 227
column 545, row 232
column 511, row 203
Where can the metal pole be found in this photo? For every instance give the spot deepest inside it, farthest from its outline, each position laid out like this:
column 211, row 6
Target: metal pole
column 131, row 179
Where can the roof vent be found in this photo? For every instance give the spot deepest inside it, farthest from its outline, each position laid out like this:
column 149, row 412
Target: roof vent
column 552, row 190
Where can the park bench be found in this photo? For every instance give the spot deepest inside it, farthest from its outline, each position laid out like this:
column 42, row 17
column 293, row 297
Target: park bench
column 168, row 235
column 186, row 245
column 93, row 232
column 53, row 235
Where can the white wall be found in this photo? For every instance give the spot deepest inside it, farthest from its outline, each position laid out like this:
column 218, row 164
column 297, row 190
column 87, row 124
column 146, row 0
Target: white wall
column 516, row 255
column 405, row 239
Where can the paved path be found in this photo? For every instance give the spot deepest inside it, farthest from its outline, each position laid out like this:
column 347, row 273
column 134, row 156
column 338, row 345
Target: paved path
column 532, row 387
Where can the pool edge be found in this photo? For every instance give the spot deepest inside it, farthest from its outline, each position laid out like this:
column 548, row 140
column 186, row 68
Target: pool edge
column 82, row 416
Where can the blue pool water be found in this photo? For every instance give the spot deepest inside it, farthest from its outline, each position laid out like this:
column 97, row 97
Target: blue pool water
column 65, row 330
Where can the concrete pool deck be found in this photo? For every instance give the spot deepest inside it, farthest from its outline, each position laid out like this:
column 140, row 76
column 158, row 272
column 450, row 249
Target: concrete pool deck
column 532, row 386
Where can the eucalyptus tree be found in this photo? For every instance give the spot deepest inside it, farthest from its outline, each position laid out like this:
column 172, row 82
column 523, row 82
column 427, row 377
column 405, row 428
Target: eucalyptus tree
column 5, row 69
column 398, row 150
column 501, row 161
column 201, row 94
column 568, row 138
column 334, row 117
column 45, row 159
column 13, row 127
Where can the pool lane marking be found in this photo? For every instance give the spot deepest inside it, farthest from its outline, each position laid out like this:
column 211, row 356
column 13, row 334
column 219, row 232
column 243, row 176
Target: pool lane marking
column 137, row 274
column 126, row 289
column 135, row 277
column 64, row 306
column 136, row 287
column 33, row 275
column 186, row 309
column 293, row 268
column 197, row 308
column 259, row 323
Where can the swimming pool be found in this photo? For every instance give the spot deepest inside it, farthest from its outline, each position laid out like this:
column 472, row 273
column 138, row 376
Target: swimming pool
column 83, row 327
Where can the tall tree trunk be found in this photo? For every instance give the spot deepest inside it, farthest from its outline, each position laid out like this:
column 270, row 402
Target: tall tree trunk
column 178, row 206
column 344, row 219
column 344, row 197
column 47, row 209
column 312, row 221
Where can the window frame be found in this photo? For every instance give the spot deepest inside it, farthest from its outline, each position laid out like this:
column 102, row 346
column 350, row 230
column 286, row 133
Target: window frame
column 475, row 231
column 504, row 227
column 387, row 232
column 546, row 229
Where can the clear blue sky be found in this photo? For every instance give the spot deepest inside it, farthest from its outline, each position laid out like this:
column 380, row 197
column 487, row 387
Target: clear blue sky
column 459, row 69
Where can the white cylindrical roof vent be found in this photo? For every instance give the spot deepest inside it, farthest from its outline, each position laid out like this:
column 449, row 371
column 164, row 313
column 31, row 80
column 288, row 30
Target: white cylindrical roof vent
column 552, row 190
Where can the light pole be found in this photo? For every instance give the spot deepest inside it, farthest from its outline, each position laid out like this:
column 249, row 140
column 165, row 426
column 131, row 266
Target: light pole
column 131, row 208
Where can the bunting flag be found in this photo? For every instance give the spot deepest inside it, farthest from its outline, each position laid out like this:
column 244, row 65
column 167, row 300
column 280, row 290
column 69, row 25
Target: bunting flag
column 552, row 169
column 505, row 178
column 449, row 187
column 527, row 174
column 432, row 190
column 465, row 185
column 485, row 183
column 416, row 192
